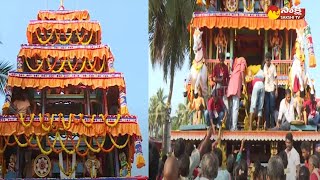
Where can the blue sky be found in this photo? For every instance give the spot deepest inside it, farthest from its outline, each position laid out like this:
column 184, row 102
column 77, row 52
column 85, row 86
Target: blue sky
column 124, row 29
column 156, row 73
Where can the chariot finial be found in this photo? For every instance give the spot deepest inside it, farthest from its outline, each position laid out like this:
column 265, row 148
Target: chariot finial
column 61, row 5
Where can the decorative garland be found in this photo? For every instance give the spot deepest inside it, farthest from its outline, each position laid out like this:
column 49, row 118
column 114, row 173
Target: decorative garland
column 22, row 119
column 41, row 149
column 91, row 121
column 34, row 70
column 66, row 127
column 40, row 38
column 68, row 174
column 70, row 66
column 4, row 146
column 19, row 143
column 119, row 146
column 91, row 148
column 61, row 67
column 106, row 121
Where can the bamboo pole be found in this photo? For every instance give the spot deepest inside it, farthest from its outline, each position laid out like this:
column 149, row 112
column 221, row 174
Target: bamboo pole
column 210, row 43
column 287, row 43
column 291, row 44
column 231, row 47
column 265, row 41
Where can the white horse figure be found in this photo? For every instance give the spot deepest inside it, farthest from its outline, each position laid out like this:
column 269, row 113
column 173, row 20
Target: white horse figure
column 299, row 68
column 198, row 76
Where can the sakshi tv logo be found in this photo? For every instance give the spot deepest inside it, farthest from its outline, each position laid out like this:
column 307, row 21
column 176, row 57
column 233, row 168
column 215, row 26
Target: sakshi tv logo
column 293, row 13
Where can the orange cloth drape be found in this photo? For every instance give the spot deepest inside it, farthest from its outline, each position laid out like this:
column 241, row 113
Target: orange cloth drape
column 90, row 53
column 239, row 21
column 63, row 25
column 64, row 15
column 25, row 80
column 97, row 129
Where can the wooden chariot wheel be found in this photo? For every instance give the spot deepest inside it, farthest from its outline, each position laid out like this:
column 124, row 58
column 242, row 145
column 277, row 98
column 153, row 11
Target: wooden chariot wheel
column 232, row 5
column 42, row 165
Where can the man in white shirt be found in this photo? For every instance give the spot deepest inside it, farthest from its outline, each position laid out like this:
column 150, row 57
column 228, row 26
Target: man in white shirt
column 271, row 90
column 293, row 158
column 286, row 112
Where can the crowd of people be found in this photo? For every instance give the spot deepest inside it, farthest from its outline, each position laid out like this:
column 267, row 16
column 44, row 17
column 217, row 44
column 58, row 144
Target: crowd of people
column 277, row 112
column 205, row 162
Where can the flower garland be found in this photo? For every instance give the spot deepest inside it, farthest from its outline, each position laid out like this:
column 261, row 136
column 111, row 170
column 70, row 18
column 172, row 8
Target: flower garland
column 91, row 121
column 66, row 127
column 40, row 121
column 54, row 143
column 89, row 40
column 61, row 67
column 47, row 129
column 29, row 142
column 67, row 39
column 64, row 147
column 102, row 148
column 91, row 148
column 81, row 69
column 85, row 153
column 4, row 147
column 70, row 66
column 7, row 139
column 68, row 174
column 51, row 67
column 19, row 143
column 34, row 70
column 119, row 146
column 41, row 149
column 101, row 68
column 22, row 119
column 40, row 38
column 106, row 120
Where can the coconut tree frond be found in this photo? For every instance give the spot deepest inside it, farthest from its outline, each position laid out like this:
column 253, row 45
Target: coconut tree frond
column 5, row 68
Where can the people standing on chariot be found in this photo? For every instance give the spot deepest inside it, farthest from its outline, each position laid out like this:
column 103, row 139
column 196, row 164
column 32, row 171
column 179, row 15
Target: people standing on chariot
column 220, row 76
column 236, row 83
column 271, row 90
column 298, row 105
column 21, row 105
column 257, row 98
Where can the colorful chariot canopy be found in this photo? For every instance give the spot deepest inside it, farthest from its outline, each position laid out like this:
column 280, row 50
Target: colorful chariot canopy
column 63, row 25
column 64, row 15
column 70, row 51
column 238, row 20
column 42, row 80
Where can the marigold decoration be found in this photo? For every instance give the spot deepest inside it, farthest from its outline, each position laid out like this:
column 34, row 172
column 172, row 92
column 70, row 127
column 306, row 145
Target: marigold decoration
column 70, row 172
column 22, row 119
column 91, row 121
column 140, row 160
column 42, row 166
column 103, row 117
column 119, row 146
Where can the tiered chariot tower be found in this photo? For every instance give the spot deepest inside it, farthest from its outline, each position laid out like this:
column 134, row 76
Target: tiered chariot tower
column 78, row 123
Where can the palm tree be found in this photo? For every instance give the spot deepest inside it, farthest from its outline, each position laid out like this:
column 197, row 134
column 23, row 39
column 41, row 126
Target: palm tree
column 157, row 112
column 169, row 41
column 5, row 67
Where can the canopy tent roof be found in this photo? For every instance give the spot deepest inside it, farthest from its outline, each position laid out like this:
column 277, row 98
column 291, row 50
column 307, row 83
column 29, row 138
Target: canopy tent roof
column 42, row 80
column 63, row 15
column 63, row 25
column 240, row 20
column 248, row 135
column 89, row 125
column 66, row 51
